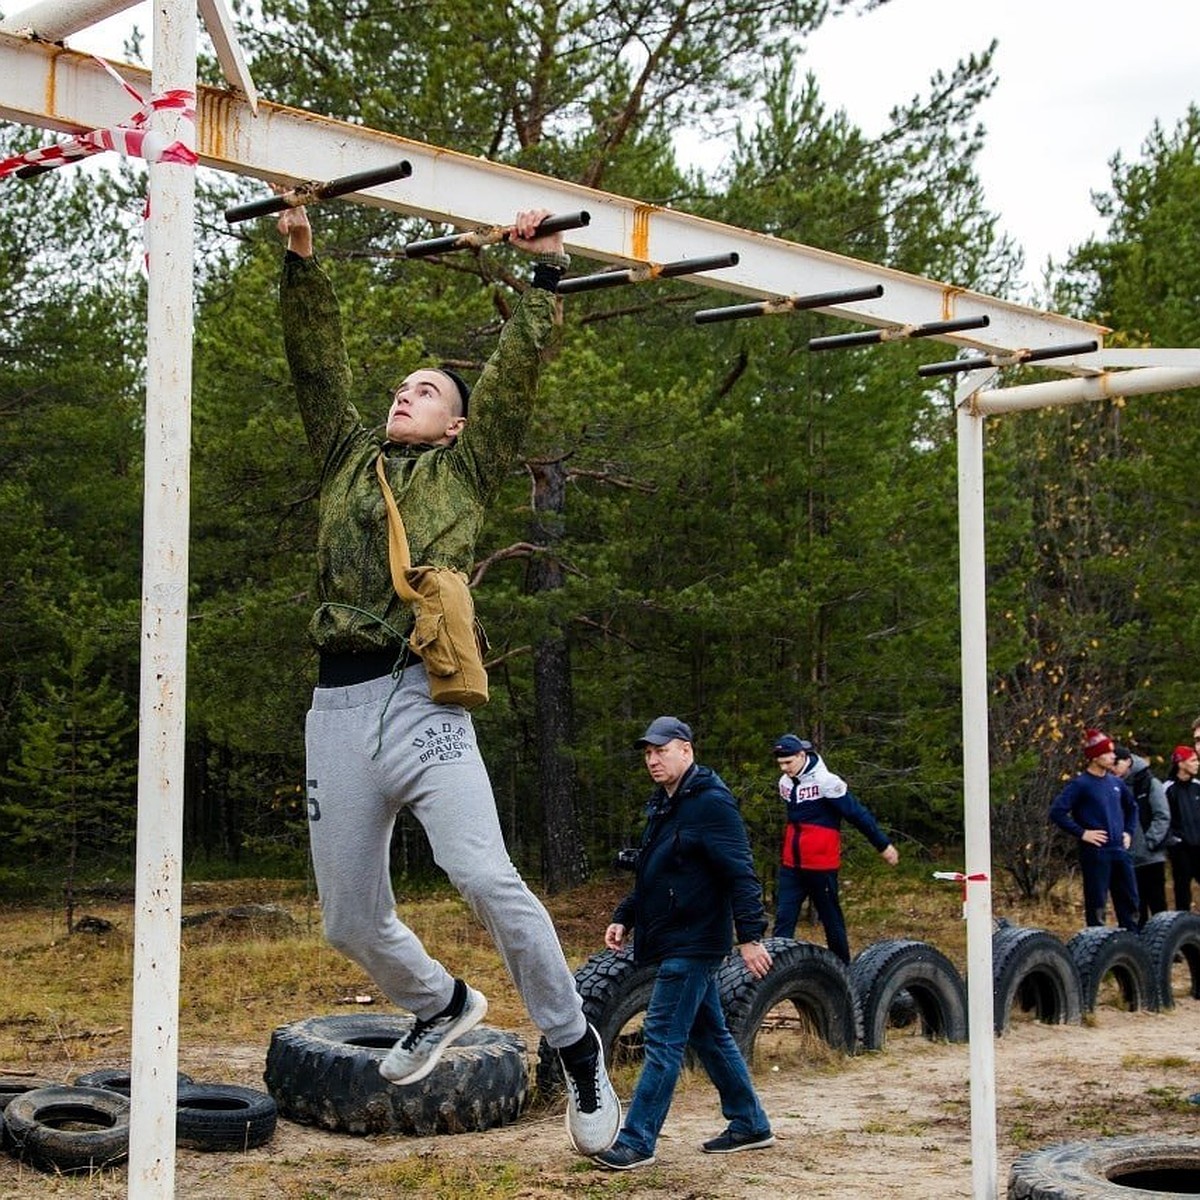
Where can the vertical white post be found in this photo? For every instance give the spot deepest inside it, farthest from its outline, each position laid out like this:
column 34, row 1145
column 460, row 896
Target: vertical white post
column 976, row 802
column 169, row 246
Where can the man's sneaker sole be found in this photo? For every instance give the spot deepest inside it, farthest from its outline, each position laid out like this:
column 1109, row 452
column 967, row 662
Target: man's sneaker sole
column 733, row 1148
column 474, row 1010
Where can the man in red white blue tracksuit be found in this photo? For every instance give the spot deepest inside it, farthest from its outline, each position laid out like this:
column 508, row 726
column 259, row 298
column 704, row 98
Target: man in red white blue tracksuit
column 818, row 801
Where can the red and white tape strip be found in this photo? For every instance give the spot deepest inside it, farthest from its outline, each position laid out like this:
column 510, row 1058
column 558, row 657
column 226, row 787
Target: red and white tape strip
column 959, row 877
column 133, row 139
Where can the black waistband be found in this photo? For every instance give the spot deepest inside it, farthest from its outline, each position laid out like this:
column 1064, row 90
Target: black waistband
column 346, row 669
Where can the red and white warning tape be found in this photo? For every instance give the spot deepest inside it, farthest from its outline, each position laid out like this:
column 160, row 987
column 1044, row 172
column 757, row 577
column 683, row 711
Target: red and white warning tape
column 132, row 139
column 959, row 877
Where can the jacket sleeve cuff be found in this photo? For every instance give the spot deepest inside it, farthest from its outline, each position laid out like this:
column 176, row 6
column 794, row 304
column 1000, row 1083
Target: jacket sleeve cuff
column 548, row 270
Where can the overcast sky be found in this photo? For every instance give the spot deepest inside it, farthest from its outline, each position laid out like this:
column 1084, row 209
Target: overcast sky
column 1079, row 80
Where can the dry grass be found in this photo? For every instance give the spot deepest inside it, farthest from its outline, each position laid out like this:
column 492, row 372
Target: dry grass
column 68, row 1001
column 65, row 1010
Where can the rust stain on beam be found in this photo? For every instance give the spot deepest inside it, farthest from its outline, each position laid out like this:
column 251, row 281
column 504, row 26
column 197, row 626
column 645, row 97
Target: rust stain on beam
column 640, row 237
column 949, row 295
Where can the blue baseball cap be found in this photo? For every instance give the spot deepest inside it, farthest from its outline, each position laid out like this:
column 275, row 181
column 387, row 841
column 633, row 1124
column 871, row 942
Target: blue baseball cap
column 790, row 744
column 662, row 730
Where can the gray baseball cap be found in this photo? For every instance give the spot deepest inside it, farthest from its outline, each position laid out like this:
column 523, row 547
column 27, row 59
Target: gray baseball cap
column 662, row 730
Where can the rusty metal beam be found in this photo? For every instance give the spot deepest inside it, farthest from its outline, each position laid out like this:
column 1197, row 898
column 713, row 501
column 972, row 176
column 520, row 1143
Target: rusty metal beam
column 60, row 89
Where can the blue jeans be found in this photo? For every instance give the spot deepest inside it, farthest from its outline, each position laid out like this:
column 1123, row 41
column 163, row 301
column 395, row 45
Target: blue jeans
column 685, row 1006
column 794, row 887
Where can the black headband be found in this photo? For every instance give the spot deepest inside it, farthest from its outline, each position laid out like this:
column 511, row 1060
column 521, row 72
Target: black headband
column 464, row 388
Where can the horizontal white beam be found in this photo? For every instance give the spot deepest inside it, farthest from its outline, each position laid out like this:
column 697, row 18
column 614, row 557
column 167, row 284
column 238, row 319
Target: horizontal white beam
column 56, row 88
column 1139, row 382
column 53, row 20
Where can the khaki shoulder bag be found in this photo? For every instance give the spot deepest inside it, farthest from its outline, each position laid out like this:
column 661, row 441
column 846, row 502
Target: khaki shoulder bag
column 446, row 635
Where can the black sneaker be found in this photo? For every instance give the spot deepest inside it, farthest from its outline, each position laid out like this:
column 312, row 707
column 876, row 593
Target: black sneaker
column 730, row 1142
column 622, row 1158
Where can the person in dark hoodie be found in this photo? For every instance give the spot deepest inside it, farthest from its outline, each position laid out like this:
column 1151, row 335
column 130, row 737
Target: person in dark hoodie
column 1183, row 798
column 1151, row 834
column 817, row 802
column 695, row 886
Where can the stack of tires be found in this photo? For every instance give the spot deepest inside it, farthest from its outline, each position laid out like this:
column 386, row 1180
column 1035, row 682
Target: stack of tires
column 85, row 1126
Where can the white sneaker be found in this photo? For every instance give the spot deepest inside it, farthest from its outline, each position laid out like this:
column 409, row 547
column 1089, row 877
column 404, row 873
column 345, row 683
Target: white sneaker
column 420, row 1049
column 593, row 1110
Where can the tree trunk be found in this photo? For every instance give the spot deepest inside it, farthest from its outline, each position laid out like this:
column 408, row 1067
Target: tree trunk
column 564, row 858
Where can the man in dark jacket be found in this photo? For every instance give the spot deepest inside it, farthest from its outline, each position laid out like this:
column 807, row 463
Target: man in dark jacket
column 1183, row 799
column 695, row 885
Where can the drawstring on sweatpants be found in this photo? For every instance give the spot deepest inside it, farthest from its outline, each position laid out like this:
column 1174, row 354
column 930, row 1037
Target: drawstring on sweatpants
column 397, row 670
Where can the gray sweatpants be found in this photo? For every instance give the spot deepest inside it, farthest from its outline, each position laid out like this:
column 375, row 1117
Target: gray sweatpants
column 428, row 762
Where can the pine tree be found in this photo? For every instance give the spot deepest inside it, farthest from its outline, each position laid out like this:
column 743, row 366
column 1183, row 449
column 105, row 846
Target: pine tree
column 70, row 797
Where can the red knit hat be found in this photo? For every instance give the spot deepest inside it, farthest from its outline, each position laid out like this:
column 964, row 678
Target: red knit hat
column 1182, row 754
column 1095, row 744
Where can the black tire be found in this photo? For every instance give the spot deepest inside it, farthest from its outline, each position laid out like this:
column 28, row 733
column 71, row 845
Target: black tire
column 223, row 1116
column 1032, row 969
column 117, row 1079
column 903, row 1011
column 1173, row 937
column 325, row 1071
column 1100, row 951
column 614, row 990
column 898, row 974
column 18, row 1085
column 1119, row 1168
column 42, row 1127
column 813, row 979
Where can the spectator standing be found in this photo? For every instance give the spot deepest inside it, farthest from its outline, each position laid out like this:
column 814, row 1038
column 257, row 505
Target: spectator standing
column 1150, row 834
column 695, row 886
column 1099, row 811
column 817, row 802
column 1183, row 797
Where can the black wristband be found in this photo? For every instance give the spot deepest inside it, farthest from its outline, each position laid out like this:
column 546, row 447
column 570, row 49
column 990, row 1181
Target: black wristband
column 546, row 276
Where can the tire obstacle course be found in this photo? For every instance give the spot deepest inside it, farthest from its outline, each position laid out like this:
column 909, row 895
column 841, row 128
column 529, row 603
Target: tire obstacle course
column 1117, row 1168
column 323, row 1070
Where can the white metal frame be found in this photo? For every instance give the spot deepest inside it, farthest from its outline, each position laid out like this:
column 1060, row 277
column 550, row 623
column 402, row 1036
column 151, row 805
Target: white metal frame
column 49, row 86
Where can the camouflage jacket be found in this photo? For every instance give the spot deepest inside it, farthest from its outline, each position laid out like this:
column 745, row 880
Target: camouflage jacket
column 442, row 491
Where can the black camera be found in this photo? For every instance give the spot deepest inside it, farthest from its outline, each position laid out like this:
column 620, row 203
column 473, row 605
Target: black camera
column 627, row 859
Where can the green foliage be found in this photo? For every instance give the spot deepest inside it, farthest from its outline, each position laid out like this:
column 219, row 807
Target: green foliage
column 69, row 791
column 752, row 535
column 1096, row 559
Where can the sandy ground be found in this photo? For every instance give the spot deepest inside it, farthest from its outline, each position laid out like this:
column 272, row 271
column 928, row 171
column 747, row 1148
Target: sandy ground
column 892, row 1123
